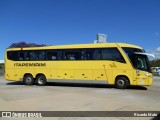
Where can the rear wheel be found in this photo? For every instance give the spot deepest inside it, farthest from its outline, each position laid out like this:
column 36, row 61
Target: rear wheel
column 41, row 80
column 28, row 80
column 122, row 83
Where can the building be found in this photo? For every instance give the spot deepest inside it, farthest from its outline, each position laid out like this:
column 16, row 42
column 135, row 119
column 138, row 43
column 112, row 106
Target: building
column 101, row 38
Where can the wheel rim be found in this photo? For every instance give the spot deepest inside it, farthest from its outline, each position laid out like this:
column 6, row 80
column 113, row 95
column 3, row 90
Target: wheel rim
column 120, row 83
column 41, row 81
column 28, row 80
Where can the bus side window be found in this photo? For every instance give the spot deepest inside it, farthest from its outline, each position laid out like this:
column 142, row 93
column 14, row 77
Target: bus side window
column 112, row 54
column 27, row 56
column 107, row 54
column 21, row 56
column 72, row 55
column 69, row 56
column 52, row 55
column 59, row 55
column 98, row 54
column 41, row 55
column 33, row 55
column 117, row 56
column 87, row 54
column 12, row 55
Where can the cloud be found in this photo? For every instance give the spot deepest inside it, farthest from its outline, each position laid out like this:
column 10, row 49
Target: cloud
column 158, row 49
column 155, row 52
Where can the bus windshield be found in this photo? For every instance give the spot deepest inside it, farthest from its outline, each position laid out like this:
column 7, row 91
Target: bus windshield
column 138, row 61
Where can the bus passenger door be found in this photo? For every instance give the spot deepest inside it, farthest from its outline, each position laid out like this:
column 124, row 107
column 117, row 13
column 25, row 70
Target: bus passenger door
column 102, row 75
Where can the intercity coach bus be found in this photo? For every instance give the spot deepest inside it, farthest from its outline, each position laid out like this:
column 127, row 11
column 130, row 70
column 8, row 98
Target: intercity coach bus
column 117, row 64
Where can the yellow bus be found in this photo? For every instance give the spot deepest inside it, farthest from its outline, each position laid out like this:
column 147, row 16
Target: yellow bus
column 117, row 64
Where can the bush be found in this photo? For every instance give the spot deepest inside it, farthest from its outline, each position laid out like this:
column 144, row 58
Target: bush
column 155, row 63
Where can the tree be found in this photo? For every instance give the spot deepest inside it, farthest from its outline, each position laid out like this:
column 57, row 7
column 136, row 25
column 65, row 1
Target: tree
column 155, row 63
column 24, row 44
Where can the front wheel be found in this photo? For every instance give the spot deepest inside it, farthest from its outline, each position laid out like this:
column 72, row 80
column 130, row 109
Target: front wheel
column 41, row 80
column 122, row 83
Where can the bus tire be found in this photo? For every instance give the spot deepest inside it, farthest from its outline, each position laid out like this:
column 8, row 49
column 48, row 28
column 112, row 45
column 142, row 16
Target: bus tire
column 28, row 80
column 122, row 83
column 41, row 80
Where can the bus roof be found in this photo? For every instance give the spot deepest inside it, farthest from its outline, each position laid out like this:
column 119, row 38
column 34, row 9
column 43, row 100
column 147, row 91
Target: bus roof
column 74, row 46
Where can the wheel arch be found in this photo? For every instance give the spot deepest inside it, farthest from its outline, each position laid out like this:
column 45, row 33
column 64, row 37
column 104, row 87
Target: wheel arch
column 27, row 74
column 122, row 76
column 39, row 74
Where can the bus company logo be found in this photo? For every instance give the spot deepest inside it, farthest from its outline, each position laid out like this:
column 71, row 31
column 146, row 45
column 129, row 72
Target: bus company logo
column 29, row 64
column 6, row 114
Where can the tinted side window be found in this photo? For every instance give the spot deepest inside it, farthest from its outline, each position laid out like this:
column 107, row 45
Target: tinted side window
column 112, row 54
column 98, row 54
column 72, row 55
column 117, row 56
column 37, row 55
column 54, row 55
column 107, row 54
column 41, row 55
column 33, row 55
column 87, row 54
column 26, row 55
column 12, row 55
column 23, row 55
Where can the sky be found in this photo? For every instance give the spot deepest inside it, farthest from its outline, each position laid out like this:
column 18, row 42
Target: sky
column 59, row 22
